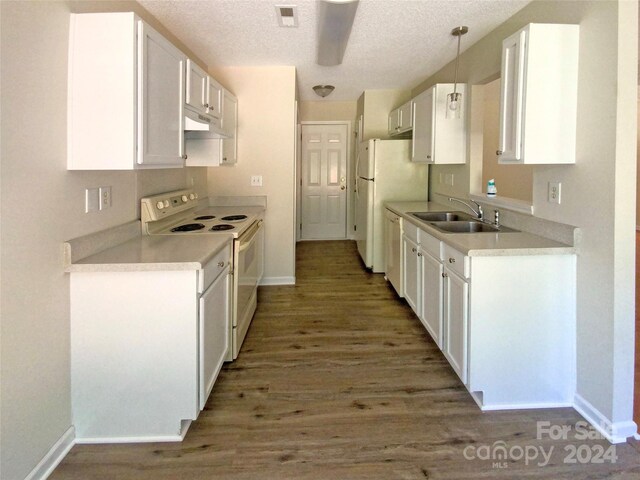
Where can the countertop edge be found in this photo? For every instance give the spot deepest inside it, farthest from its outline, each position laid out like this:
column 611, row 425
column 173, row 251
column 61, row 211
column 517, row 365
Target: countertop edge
column 449, row 238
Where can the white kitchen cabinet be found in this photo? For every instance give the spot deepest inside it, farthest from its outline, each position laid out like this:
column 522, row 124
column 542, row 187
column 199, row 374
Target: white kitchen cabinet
column 411, row 277
column 455, row 321
column 432, row 296
column 214, row 323
column 400, row 119
column 196, row 88
column 212, row 152
column 146, row 349
column 230, row 127
column 538, row 99
column 214, row 98
column 393, row 251
column 436, row 138
column 125, row 95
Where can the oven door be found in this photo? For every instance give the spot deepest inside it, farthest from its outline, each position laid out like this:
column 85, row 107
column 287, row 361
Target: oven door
column 247, row 273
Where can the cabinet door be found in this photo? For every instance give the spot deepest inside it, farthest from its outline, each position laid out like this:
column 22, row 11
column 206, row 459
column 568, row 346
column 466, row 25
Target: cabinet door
column 196, row 87
column 214, row 333
column 394, row 121
column 511, row 98
column 411, row 275
column 160, row 100
column 393, row 257
column 214, row 98
column 432, row 299
column 229, row 125
column 423, row 120
column 456, row 312
column 406, row 118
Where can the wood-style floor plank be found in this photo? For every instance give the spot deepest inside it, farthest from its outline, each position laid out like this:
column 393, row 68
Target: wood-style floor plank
column 338, row 379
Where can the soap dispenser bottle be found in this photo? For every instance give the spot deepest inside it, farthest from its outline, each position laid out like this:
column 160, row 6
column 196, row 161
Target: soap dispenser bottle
column 491, row 188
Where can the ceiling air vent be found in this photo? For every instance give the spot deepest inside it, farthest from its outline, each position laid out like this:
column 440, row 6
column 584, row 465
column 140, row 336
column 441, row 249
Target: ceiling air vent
column 287, row 15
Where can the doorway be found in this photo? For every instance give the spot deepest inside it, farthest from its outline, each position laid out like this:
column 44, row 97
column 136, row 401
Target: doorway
column 323, row 181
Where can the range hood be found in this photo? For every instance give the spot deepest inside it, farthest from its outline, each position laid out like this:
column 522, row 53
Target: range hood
column 197, row 125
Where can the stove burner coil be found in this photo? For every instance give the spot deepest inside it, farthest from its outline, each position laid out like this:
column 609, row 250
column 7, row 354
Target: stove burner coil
column 205, row 217
column 222, row 226
column 189, row 227
column 231, row 218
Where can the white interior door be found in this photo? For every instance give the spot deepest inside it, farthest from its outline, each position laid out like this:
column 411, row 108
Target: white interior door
column 324, row 182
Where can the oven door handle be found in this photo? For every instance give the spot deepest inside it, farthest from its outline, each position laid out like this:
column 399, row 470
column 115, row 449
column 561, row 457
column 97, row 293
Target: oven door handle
column 244, row 244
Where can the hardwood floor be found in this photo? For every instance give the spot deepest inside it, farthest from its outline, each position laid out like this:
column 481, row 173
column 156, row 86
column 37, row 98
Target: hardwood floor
column 337, row 379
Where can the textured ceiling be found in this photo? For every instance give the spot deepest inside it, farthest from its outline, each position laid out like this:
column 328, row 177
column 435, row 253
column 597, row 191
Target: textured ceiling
column 393, row 43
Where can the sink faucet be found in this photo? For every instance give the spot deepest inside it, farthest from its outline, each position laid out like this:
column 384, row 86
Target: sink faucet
column 478, row 213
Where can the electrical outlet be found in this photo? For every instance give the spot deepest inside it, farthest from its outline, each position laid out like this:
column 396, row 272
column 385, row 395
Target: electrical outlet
column 91, row 200
column 554, row 192
column 256, row 180
column 105, row 198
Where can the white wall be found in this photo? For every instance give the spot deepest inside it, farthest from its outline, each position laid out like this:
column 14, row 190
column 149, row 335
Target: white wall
column 598, row 193
column 266, row 136
column 42, row 205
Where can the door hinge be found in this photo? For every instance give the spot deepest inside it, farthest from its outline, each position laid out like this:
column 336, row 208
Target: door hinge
column 300, row 226
column 355, row 227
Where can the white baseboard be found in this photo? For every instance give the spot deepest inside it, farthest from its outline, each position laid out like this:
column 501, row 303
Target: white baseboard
column 524, row 406
column 614, row 432
column 278, row 281
column 54, row 456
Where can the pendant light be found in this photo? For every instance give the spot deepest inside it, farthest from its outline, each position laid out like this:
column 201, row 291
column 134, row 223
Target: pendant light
column 454, row 99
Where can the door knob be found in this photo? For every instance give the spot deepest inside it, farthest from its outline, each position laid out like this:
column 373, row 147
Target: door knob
column 342, row 187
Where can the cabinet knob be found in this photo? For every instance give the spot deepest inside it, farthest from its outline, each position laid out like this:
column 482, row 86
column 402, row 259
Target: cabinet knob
column 413, row 250
column 206, row 105
column 221, row 264
column 428, row 156
column 419, row 254
column 498, row 152
column 184, row 157
column 452, row 260
column 444, row 275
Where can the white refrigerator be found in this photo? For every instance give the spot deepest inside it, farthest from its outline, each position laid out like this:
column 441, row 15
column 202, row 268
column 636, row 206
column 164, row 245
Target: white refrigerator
column 384, row 173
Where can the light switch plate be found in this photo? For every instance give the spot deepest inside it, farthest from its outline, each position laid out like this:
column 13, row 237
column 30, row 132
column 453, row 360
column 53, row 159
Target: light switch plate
column 554, row 192
column 105, row 198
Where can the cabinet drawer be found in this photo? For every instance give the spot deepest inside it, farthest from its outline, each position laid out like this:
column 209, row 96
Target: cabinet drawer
column 456, row 261
column 430, row 244
column 214, row 268
column 411, row 231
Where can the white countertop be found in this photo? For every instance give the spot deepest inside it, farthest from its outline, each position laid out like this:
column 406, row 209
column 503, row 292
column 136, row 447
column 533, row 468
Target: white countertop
column 481, row 244
column 158, row 252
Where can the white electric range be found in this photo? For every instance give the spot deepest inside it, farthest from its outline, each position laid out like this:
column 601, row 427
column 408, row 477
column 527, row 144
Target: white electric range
column 177, row 213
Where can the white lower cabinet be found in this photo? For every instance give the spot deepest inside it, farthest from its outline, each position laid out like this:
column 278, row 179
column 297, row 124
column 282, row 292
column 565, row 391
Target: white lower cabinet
column 431, row 316
column 146, row 349
column 455, row 315
column 411, row 269
column 393, row 251
column 506, row 324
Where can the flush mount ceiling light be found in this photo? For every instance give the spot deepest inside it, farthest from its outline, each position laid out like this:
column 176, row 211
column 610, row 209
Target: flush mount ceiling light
column 454, row 99
column 335, row 19
column 323, row 90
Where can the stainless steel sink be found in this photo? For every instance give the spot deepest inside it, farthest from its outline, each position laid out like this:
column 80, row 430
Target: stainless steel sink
column 469, row 227
column 440, row 216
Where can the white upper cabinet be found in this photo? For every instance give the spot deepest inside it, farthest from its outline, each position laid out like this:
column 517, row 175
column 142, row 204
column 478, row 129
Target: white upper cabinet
column 125, row 96
column 437, row 138
column 196, row 88
column 230, row 126
column 214, row 98
column 400, row 119
column 538, row 100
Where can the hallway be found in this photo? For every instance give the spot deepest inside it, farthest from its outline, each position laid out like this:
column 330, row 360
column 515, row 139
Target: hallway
column 338, row 380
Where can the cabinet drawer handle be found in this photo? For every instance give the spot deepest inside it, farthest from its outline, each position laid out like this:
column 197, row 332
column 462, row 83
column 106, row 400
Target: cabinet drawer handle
column 221, row 264
column 452, row 260
column 498, row 152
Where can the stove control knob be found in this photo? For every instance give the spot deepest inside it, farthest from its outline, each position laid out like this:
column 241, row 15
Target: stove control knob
column 184, row 199
column 166, row 204
column 192, row 196
column 196, row 195
column 160, row 205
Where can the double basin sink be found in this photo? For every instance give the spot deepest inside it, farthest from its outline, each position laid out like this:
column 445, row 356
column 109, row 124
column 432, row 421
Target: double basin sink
column 458, row 222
